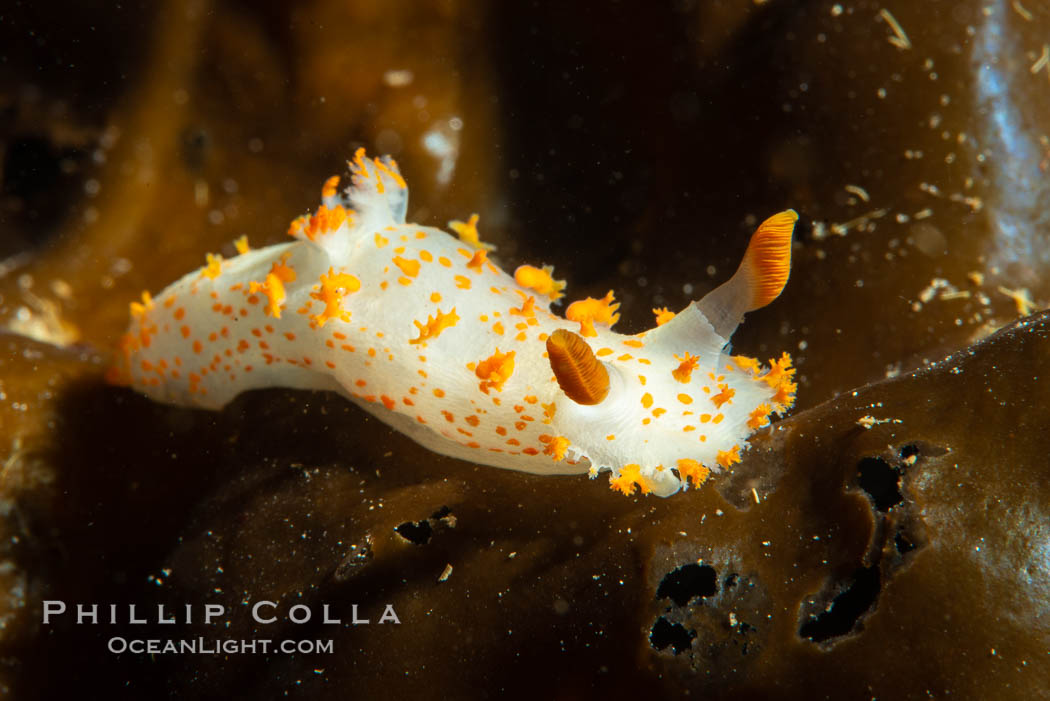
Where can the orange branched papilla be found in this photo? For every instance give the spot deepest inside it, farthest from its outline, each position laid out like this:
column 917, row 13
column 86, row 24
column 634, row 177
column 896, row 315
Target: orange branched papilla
column 495, row 370
column 590, row 310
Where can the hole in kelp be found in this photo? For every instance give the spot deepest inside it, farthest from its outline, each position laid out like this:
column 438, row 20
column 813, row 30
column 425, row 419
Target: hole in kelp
column 846, row 609
column 665, row 633
column 881, row 482
column 683, row 583
column 417, row 532
column 902, row 543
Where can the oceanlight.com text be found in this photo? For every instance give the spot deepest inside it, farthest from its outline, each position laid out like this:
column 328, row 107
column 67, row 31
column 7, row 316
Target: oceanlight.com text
column 217, row 646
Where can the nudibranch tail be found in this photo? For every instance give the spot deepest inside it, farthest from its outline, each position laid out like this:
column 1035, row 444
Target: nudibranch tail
column 580, row 374
column 425, row 332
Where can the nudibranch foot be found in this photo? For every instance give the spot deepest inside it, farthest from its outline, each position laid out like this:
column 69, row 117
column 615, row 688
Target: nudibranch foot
column 421, row 329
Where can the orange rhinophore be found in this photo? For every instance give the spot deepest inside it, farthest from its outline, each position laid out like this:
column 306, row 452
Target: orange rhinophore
column 580, row 374
column 769, row 258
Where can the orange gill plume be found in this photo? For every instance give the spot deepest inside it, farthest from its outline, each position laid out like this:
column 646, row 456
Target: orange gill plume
column 580, row 374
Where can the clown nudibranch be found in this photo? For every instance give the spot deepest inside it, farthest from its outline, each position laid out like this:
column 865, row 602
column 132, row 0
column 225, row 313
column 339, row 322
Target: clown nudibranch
column 422, row 330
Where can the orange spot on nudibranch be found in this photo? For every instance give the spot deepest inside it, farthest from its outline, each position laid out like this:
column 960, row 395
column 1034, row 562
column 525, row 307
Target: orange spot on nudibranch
column 685, row 370
column 556, row 446
column 759, row 417
column 749, row 364
column 434, row 326
column 784, row 397
column 726, row 458
column 139, row 310
column 273, row 288
column 528, row 307
column 331, row 290
column 213, row 267
column 273, row 285
column 468, row 233
column 725, row 395
column 540, row 279
column 630, row 477
column 778, row 370
column 477, row 261
column 495, row 370
column 241, row 244
column 408, row 267
column 692, row 472
column 663, row 315
column 321, row 222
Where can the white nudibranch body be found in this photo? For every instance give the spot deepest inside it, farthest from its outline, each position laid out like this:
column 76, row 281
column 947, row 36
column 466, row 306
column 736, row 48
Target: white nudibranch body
column 420, row 329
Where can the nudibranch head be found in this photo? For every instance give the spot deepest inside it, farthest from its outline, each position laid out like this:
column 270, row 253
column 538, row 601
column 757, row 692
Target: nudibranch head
column 674, row 405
